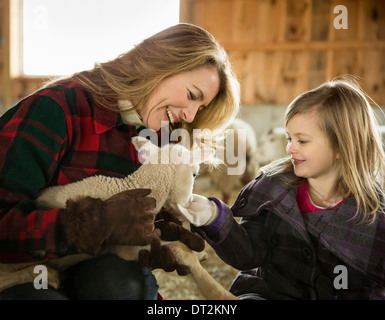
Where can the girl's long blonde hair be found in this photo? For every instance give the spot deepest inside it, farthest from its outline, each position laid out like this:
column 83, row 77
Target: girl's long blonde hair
column 180, row 48
column 346, row 117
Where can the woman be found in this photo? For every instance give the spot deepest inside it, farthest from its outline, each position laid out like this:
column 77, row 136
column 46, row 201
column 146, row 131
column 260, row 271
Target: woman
column 80, row 126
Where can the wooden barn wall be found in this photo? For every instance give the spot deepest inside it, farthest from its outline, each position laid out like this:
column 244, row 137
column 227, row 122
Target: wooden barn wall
column 280, row 48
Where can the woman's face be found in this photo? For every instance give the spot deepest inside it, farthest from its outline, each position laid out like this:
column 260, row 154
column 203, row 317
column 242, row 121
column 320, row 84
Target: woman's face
column 178, row 98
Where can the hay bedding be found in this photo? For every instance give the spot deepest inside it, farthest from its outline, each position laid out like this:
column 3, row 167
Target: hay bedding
column 174, row 287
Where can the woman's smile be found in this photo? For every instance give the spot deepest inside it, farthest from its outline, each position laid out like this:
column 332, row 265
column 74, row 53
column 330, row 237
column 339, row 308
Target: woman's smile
column 171, row 116
column 179, row 97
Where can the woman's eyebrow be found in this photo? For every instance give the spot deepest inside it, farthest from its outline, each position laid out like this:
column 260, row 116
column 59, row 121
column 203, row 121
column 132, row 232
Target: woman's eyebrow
column 201, row 94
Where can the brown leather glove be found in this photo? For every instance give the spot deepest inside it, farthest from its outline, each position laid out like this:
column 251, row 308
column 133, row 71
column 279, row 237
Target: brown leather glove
column 161, row 257
column 126, row 218
column 173, row 230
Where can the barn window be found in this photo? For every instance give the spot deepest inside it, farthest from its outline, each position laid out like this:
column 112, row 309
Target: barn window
column 61, row 37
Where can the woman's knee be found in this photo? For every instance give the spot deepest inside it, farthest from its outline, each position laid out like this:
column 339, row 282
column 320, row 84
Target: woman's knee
column 111, row 277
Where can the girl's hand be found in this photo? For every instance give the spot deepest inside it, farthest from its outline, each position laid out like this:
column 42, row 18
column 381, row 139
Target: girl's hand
column 200, row 211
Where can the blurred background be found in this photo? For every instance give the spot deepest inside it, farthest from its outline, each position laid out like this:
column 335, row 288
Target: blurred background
column 279, row 48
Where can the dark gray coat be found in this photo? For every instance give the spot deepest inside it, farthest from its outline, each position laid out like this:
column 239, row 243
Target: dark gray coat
column 288, row 255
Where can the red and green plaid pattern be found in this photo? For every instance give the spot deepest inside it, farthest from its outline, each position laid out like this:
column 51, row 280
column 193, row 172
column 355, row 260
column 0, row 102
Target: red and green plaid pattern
column 53, row 137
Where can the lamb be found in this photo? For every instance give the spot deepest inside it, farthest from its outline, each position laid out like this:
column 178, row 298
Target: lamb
column 175, row 190
column 177, row 177
column 272, row 145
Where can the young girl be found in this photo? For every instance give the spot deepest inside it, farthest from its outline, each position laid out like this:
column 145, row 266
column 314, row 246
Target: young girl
column 313, row 224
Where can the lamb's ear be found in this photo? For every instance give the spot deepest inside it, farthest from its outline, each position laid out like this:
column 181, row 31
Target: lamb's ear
column 144, row 147
column 139, row 142
column 198, row 156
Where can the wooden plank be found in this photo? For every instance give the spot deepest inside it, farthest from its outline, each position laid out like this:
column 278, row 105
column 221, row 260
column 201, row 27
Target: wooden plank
column 15, row 38
column 350, row 34
column 317, row 67
column 297, row 28
column 281, row 48
column 252, row 21
column 185, row 11
column 373, row 20
column 215, row 17
column 7, row 92
column 372, row 74
column 305, row 45
column 320, row 20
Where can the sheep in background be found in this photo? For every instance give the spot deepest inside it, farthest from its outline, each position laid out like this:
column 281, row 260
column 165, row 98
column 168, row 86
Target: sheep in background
column 222, row 177
column 171, row 185
column 272, row 145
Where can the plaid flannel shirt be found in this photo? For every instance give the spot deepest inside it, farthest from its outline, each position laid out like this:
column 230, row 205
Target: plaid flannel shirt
column 55, row 136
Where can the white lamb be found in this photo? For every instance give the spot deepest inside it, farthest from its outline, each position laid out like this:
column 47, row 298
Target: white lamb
column 272, row 145
column 168, row 171
column 173, row 165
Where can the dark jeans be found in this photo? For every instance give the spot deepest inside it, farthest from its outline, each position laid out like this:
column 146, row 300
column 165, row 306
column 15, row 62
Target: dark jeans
column 107, row 277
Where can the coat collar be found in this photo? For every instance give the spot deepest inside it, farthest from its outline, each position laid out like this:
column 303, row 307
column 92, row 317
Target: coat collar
column 129, row 114
column 358, row 245
column 105, row 119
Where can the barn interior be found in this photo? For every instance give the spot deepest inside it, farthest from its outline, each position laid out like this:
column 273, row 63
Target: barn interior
column 278, row 48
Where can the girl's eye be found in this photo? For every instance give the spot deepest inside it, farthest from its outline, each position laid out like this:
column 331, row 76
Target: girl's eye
column 301, row 141
column 288, row 139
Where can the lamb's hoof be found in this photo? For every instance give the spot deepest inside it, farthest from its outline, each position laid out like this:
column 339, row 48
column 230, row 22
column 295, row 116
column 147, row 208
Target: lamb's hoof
column 202, row 255
column 53, row 278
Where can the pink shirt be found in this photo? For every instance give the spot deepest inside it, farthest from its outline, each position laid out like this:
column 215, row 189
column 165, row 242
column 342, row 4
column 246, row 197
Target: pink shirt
column 304, row 203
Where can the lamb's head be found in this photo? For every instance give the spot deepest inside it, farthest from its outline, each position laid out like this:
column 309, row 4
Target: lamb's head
column 181, row 165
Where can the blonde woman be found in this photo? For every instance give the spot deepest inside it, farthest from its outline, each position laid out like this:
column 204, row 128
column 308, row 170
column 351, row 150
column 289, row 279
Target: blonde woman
column 80, row 126
column 313, row 223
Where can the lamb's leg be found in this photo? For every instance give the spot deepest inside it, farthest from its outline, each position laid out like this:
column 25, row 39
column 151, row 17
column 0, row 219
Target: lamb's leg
column 10, row 278
column 209, row 287
column 127, row 252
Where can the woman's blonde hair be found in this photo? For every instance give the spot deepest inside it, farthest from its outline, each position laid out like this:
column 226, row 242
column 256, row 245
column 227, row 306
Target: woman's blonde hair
column 346, row 117
column 180, row 48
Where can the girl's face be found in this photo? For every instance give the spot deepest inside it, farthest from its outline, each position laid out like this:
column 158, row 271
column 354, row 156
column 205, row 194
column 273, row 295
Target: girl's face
column 309, row 148
column 178, row 98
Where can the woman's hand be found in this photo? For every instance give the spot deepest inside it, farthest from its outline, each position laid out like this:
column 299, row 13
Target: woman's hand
column 126, row 218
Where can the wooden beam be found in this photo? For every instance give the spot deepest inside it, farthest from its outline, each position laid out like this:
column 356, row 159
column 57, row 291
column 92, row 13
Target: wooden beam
column 7, row 92
column 307, row 45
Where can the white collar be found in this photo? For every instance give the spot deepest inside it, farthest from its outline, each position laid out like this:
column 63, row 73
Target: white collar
column 131, row 116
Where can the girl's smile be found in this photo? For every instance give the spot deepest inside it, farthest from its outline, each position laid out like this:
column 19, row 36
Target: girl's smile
column 296, row 162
